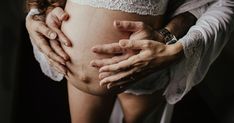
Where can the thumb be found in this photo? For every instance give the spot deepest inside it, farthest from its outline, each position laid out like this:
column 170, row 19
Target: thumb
column 129, row 26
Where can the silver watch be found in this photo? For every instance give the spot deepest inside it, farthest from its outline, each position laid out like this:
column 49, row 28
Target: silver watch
column 169, row 38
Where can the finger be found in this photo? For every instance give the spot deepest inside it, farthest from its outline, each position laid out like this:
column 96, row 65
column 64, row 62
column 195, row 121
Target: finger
column 58, row 49
column 112, row 48
column 130, row 26
column 54, row 21
column 43, row 29
column 135, row 44
column 60, row 68
column 104, row 75
column 118, row 76
column 126, row 64
column 60, row 14
column 108, row 61
column 62, row 37
column 45, row 48
column 121, row 84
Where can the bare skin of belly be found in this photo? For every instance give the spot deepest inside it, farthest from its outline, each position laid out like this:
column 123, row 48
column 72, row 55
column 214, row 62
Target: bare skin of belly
column 89, row 26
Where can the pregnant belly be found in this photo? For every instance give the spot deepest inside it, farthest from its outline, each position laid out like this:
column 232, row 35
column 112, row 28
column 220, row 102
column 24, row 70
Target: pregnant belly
column 89, row 26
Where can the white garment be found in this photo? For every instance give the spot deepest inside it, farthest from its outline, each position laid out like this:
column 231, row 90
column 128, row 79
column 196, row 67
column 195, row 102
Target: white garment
column 202, row 44
column 141, row 7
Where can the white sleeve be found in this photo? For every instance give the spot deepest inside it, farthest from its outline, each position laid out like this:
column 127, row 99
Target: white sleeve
column 197, row 12
column 46, row 68
column 202, row 45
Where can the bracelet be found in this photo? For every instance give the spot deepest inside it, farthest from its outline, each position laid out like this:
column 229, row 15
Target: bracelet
column 169, row 38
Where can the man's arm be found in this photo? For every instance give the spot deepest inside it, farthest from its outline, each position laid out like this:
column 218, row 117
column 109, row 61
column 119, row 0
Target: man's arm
column 202, row 44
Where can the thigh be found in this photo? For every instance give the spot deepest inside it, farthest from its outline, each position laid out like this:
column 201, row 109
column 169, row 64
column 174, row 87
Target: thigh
column 87, row 108
column 137, row 107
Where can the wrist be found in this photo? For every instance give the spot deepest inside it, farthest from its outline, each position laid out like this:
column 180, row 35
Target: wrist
column 175, row 50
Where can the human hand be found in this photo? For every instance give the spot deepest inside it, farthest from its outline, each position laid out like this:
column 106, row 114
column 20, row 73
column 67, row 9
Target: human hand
column 149, row 56
column 45, row 38
column 138, row 30
column 153, row 56
column 54, row 20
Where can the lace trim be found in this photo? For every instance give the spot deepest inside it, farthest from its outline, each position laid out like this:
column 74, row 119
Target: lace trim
column 183, row 72
column 141, row 7
column 191, row 42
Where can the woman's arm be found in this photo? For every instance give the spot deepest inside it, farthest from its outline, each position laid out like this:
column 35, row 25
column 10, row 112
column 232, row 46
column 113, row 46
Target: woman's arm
column 45, row 37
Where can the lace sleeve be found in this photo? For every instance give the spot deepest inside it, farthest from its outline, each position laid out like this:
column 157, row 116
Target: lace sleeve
column 202, row 45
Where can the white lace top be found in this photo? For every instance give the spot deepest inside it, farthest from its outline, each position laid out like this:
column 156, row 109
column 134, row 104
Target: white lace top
column 142, row 7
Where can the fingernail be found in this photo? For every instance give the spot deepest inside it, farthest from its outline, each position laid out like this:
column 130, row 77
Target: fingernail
column 123, row 43
column 66, row 44
column 94, row 49
column 66, row 58
column 102, row 82
column 101, row 70
column 101, row 76
column 109, row 86
column 53, row 35
column 64, row 63
column 117, row 23
column 64, row 16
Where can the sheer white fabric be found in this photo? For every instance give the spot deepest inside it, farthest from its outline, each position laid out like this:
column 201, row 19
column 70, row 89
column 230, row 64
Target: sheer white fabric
column 142, row 7
column 202, row 45
column 46, row 68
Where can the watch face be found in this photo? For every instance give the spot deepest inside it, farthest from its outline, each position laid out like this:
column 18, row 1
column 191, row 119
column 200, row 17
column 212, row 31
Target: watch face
column 168, row 37
column 171, row 41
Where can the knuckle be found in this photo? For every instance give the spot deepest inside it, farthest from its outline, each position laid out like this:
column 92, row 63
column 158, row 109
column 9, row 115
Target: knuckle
column 149, row 53
column 129, row 25
column 147, row 44
column 117, row 67
column 141, row 24
column 114, row 59
column 54, row 43
column 40, row 49
column 40, row 42
column 50, row 54
column 47, row 32
column 56, row 9
column 39, row 26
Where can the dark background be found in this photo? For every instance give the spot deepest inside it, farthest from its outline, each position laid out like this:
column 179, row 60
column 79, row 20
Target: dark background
column 27, row 96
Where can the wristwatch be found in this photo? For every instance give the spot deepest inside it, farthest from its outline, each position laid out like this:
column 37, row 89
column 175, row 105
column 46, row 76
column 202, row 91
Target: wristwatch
column 169, row 38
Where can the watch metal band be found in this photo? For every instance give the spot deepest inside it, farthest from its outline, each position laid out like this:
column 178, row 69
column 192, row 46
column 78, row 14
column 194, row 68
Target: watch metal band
column 169, row 38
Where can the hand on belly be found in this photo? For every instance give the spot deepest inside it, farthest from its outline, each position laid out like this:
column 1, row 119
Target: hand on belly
column 85, row 30
column 114, row 78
